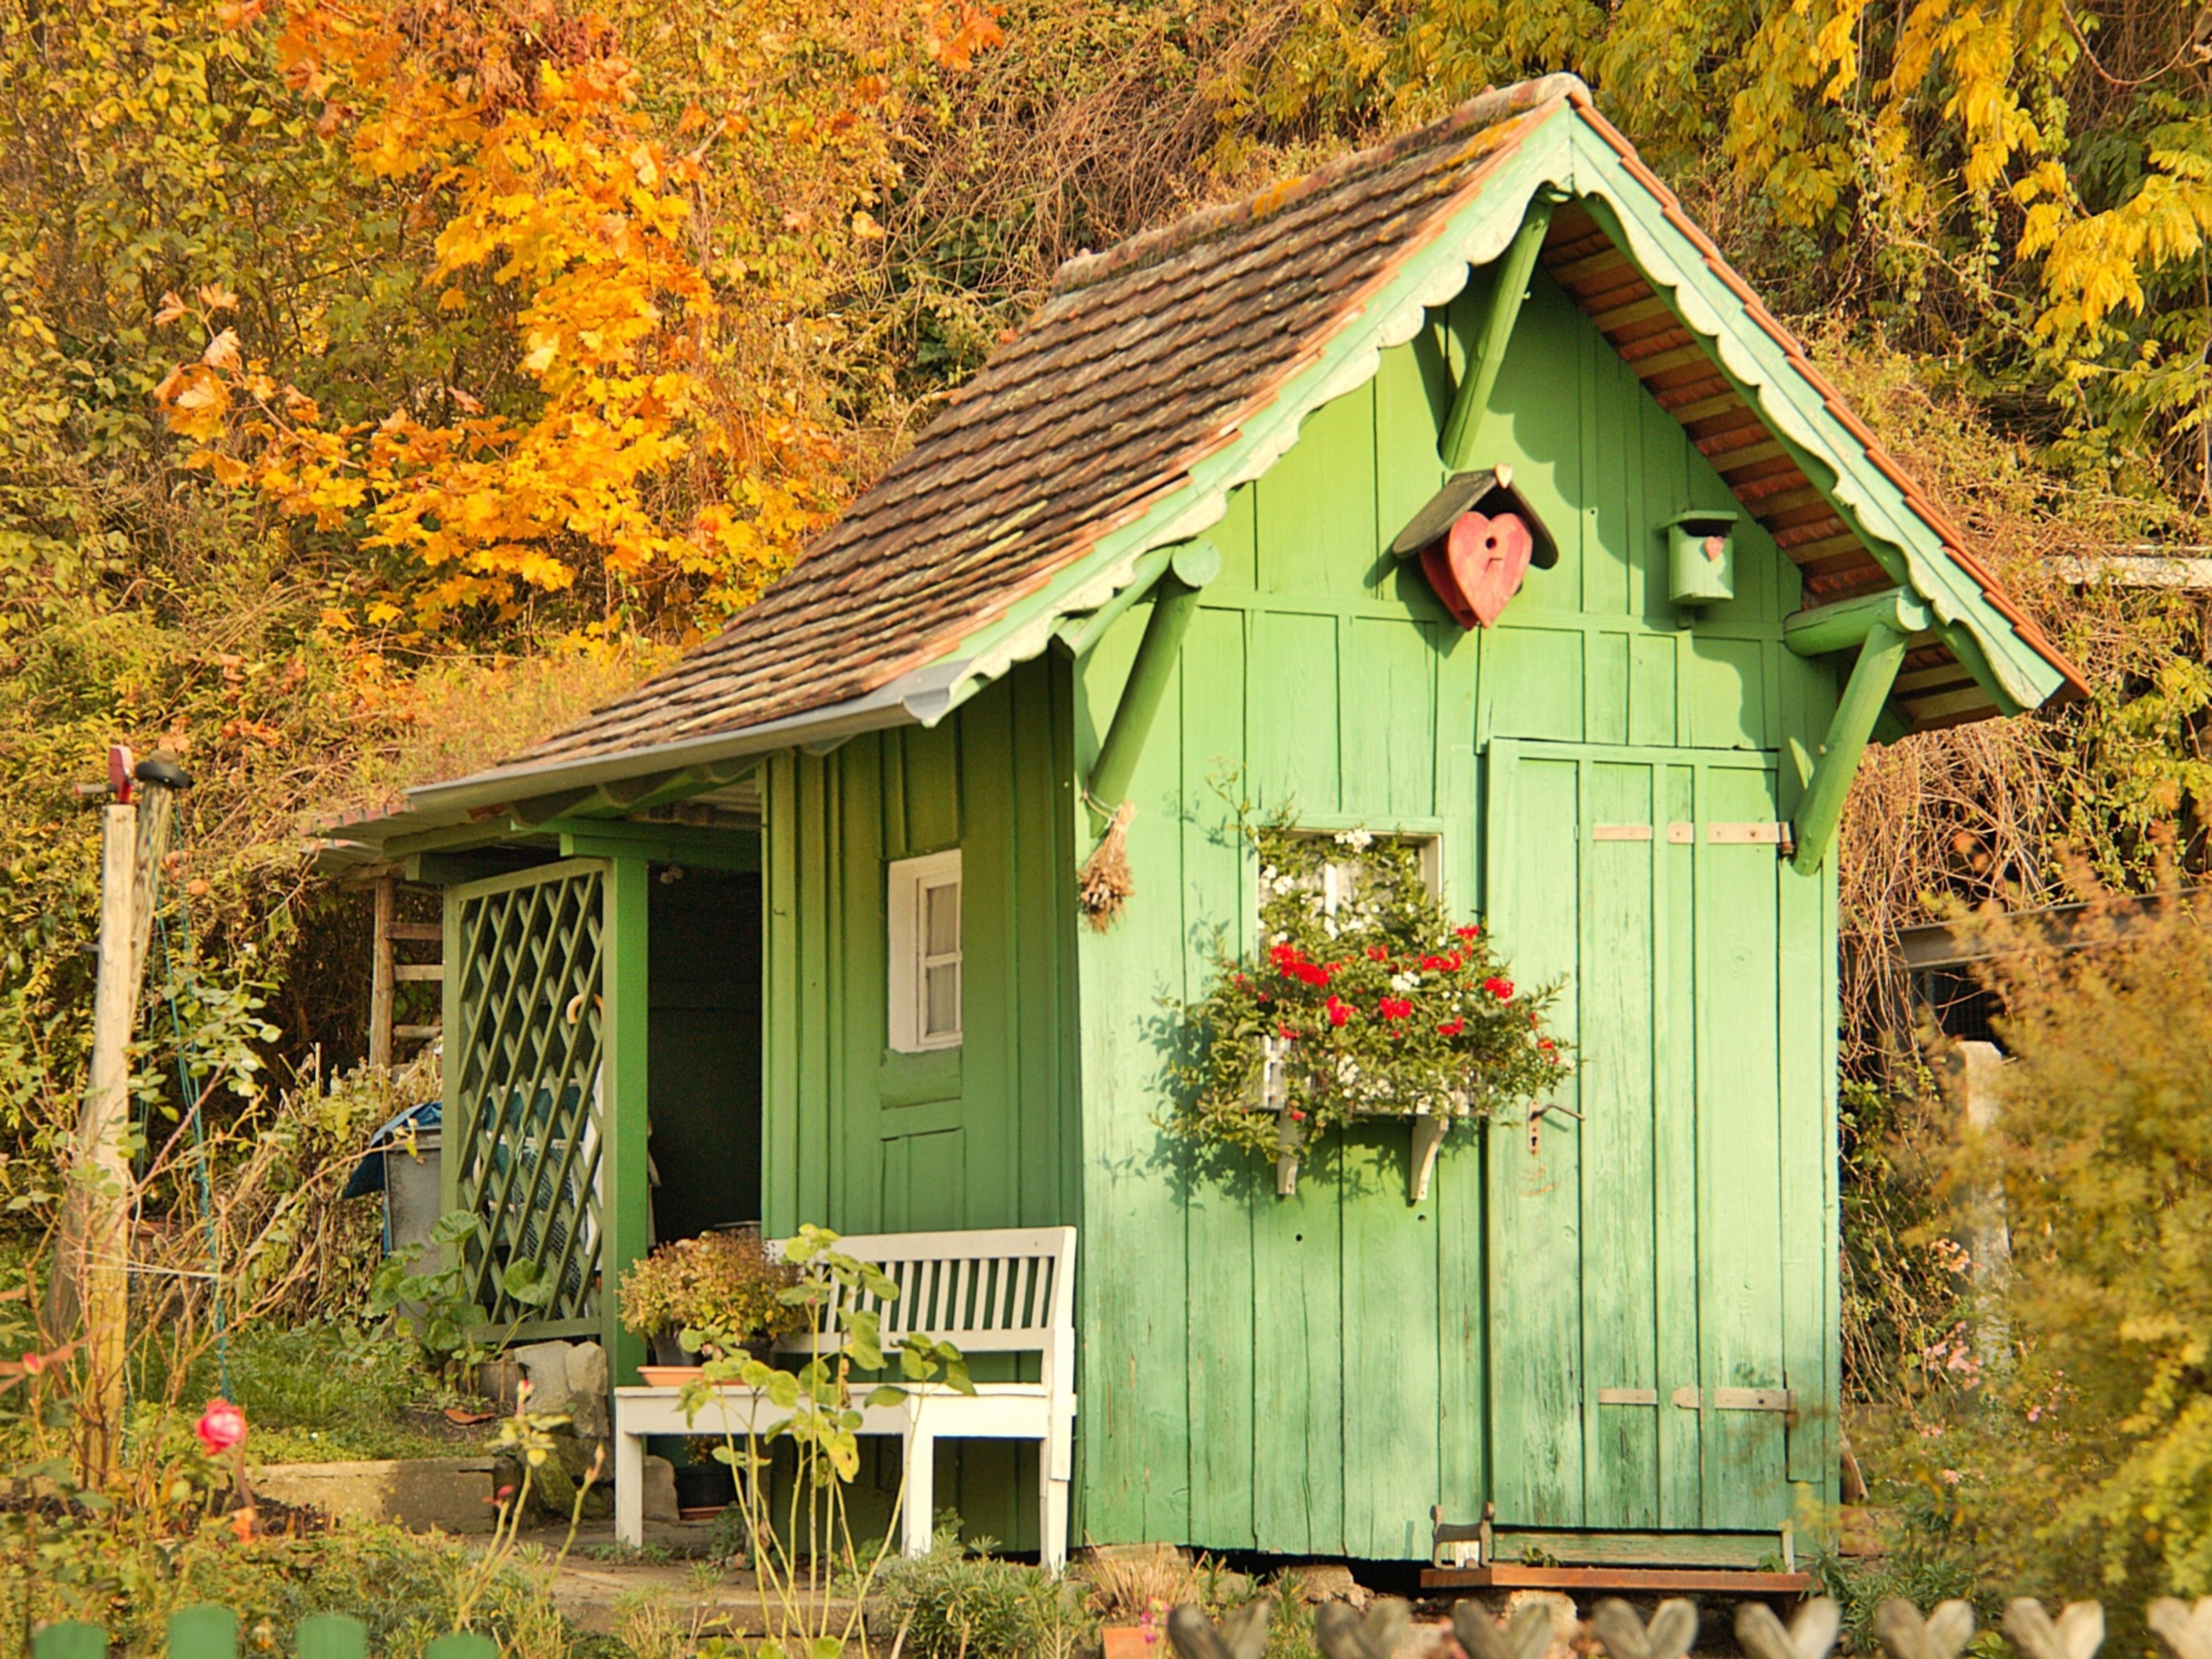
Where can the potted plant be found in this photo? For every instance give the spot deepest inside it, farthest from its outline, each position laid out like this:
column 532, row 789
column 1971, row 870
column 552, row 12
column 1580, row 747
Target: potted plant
column 720, row 1293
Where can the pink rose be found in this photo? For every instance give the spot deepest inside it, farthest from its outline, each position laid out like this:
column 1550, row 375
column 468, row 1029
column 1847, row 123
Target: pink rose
column 221, row 1427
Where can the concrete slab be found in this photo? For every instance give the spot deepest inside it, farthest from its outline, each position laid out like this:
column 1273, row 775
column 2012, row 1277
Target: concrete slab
column 453, row 1494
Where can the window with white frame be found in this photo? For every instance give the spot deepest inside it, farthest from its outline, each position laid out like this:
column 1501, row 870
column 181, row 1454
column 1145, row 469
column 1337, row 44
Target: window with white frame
column 925, row 952
column 1340, row 877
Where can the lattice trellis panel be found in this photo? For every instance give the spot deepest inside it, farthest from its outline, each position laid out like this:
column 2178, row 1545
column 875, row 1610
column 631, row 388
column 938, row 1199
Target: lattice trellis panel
column 527, row 1054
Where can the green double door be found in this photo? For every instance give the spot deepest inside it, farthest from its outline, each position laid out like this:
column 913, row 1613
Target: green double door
column 1643, row 1258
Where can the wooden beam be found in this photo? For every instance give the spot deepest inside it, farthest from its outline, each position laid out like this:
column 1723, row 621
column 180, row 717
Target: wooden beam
column 1193, row 563
column 1840, row 626
column 626, row 1208
column 1175, row 603
column 379, row 975
column 660, row 843
column 1864, row 695
column 1514, row 267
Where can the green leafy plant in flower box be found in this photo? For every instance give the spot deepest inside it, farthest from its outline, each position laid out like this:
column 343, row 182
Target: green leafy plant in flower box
column 1362, row 998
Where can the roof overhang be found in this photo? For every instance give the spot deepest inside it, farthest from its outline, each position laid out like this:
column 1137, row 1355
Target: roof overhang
column 1566, row 150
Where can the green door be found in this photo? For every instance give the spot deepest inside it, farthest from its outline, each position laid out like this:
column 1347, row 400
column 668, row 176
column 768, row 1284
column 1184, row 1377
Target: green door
column 1635, row 1256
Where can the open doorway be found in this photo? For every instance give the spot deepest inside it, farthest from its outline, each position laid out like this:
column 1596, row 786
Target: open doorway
column 703, row 1059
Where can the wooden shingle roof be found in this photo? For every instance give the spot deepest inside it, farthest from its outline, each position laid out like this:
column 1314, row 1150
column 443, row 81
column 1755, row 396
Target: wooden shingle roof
column 1142, row 361
column 1161, row 373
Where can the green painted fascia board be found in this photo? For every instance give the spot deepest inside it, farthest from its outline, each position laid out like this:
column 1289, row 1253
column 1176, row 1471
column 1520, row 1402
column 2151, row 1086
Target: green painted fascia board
column 1433, row 276
column 2012, row 672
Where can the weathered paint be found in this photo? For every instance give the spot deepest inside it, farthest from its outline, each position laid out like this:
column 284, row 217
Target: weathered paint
column 1309, row 1374
column 982, row 1135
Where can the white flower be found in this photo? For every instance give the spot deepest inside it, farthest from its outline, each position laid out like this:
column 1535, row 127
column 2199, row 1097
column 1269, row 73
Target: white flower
column 1402, row 983
column 1267, row 873
column 1358, row 840
column 1280, row 938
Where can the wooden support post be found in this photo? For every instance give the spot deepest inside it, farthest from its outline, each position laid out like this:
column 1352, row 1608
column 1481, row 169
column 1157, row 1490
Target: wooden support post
column 1839, row 627
column 1175, row 602
column 1079, row 634
column 380, row 976
column 1515, row 266
column 1864, row 694
column 101, row 1267
column 625, row 1192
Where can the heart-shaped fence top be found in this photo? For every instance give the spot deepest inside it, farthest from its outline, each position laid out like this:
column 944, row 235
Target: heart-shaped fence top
column 1342, row 1633
column 1242, row 1635
column 1673, row 1629
column 2077, row 1633
column 2186, row 1630
column 1905, row 1635
column 1526, row 1635
column 1810, row 1635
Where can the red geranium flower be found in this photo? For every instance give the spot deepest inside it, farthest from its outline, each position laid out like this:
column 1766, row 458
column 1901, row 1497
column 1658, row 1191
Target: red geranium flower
column 1500, row 988
column 1468, row 930
column 1395, row 1007
column 1288, row 1033
column 1339, row 1010
column 1377, row 953
column 1452, row 1027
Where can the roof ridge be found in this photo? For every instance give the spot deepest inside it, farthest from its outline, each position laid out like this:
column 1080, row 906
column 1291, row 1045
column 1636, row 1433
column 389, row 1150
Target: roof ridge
column 1486, row 108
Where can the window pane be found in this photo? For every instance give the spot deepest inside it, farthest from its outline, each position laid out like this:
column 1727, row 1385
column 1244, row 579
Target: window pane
column 940, row 1015
column 940, row 920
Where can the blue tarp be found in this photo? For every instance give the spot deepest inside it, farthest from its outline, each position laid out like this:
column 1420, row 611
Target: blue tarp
column 369, row 1174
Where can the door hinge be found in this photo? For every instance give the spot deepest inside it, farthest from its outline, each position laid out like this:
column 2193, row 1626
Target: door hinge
column 1739, row 1399
column 1753, row 835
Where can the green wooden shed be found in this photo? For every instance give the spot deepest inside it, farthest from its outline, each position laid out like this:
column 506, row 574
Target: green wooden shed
column 792, row 933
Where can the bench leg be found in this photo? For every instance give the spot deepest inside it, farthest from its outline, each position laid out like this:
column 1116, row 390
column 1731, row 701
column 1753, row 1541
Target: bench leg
column 629, row 1487
column 1052, row 1520
column 1055, row 1470
column 918, row 1507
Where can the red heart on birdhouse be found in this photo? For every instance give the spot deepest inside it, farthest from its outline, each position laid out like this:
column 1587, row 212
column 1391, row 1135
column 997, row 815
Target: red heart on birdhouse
column 1478, row 568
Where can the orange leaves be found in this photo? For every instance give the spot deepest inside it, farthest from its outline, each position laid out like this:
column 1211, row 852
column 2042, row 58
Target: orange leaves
column 975, row 29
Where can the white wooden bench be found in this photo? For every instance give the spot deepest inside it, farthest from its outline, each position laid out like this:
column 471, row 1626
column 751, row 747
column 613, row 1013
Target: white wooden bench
column 997, row 1291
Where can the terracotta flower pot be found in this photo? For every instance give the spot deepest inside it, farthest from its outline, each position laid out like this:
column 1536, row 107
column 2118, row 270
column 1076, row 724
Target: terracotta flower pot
column 668, row 1376
column 1135, row 1642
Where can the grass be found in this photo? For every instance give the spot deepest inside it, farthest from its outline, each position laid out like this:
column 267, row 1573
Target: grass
column 329, row 1393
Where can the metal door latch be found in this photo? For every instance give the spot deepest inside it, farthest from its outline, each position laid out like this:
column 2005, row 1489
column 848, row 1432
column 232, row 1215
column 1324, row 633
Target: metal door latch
column 1739, row 1399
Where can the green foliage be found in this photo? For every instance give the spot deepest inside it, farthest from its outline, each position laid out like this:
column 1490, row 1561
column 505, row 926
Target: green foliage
column 2104, row 1157
column 953, row 1605
column 423, row 1292
column 1372, row 1000
column 121, row 1571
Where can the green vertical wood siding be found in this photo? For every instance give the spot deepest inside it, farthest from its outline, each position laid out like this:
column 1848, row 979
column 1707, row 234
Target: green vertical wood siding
column 1309, row 1374
column 982, row 1135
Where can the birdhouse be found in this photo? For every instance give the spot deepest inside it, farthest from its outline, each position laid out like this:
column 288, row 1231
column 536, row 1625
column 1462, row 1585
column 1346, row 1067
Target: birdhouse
column 1476, row 539
column 1701, row 556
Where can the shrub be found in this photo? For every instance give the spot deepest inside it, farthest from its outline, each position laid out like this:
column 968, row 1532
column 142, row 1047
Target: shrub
column 2100, row 1433
column 953, row 1606
column 723, row 1282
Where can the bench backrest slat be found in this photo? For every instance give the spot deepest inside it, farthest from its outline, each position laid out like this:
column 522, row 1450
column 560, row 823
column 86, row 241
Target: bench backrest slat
column 1005, row 1290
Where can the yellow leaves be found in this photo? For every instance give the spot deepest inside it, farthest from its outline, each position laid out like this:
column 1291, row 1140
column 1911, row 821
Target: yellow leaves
column 214, row 297
column 170, row 309
column 194, row 401
column 223, row 352
column 540, row 357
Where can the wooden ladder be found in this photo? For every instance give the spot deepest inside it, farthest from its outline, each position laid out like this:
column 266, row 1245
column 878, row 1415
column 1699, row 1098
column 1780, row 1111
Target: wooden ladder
column 387, row 973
